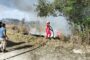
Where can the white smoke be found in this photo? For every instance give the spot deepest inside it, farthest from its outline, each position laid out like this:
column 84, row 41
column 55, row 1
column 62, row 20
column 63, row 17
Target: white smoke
column 59, row 24
column 24, row 5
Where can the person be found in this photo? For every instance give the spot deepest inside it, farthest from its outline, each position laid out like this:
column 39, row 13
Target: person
column 48, row 30
column 3, row 37
column 4, row 26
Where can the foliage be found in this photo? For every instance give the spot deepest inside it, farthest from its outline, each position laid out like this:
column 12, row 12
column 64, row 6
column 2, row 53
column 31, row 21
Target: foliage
column 70, row 8
column 44, row 8
column 77, row 11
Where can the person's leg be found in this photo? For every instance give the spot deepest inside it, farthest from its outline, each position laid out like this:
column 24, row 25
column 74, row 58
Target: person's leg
column 46, row 35
column 49, row 35
column 0, row 45
column 3, row 46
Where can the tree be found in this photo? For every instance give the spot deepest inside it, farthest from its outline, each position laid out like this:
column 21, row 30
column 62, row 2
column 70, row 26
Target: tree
column 44, row 8
column 70, row 8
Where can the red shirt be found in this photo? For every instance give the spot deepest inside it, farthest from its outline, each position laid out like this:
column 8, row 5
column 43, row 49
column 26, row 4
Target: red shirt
column 48, row 28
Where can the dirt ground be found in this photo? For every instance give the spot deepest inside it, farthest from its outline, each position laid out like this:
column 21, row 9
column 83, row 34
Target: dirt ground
column 51, row 50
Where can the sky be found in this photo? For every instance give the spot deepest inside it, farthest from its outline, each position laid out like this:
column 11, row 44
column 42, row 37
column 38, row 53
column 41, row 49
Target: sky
column 17, row 9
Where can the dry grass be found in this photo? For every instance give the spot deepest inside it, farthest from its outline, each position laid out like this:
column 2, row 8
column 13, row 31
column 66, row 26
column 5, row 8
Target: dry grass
column 54, row 48
column 74, row 41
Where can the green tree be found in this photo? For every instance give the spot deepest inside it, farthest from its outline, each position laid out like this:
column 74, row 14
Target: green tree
column 70, row 8
column 44, row 8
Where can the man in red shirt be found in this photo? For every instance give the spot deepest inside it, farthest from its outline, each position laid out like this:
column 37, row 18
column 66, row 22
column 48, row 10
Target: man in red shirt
column 48, row 30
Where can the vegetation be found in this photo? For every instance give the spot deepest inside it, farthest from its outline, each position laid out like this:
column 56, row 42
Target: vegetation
column 16, row 36
column 76, row 11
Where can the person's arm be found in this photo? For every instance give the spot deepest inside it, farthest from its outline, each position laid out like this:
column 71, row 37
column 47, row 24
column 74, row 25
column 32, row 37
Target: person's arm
column 5, row 34
column 52, row 31
column 51, row 28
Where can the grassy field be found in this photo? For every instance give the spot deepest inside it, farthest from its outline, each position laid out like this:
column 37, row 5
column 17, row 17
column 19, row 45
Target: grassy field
column 53, row 49
column 17, row 35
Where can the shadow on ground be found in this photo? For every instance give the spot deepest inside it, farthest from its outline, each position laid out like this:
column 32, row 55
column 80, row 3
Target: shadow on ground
column 11, row 43
column 17, row 45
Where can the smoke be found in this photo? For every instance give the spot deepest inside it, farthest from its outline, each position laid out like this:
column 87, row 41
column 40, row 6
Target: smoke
column 25, row 5
column 2, row 7
column 59, row 25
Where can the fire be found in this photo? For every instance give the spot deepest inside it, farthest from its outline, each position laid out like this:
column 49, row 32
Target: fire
column 58, row 34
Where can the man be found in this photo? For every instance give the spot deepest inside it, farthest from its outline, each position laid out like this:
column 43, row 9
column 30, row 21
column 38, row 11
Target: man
column 48, row 30
column 3, row 37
